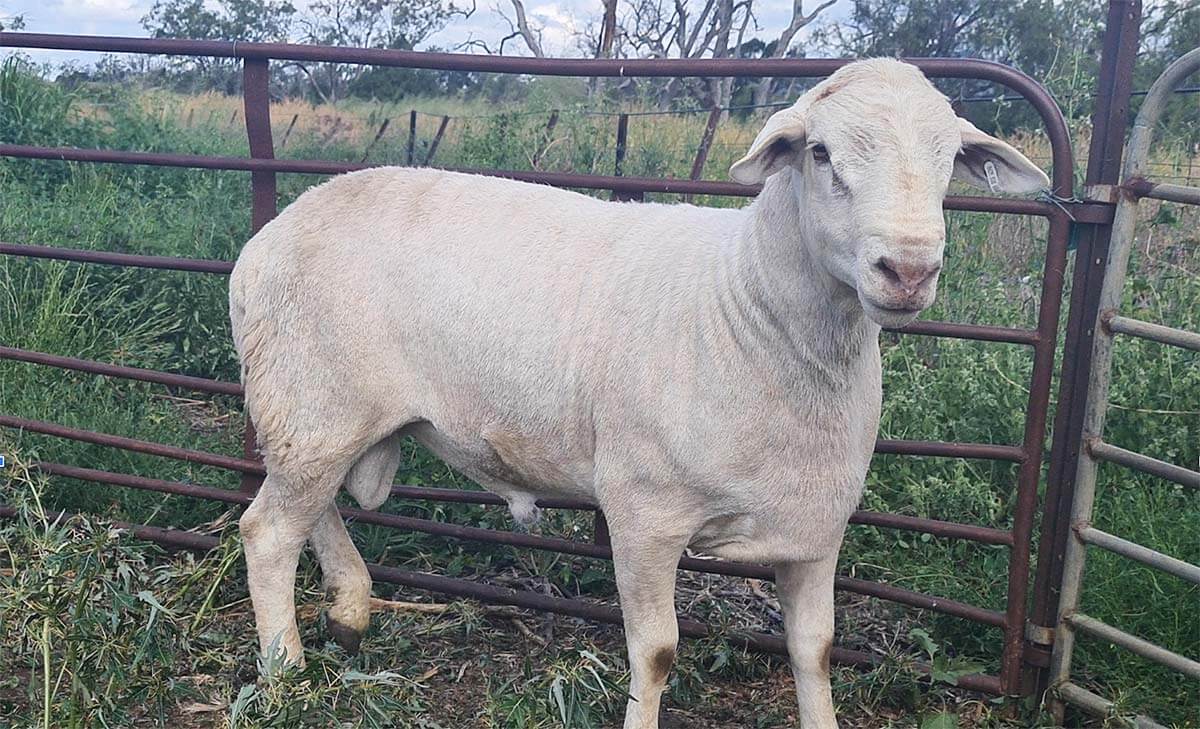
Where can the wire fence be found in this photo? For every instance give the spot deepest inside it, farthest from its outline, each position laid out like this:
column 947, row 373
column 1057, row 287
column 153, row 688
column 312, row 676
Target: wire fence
column 572, row 138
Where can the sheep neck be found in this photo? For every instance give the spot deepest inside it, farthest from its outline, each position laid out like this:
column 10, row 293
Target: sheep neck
column 778, row 298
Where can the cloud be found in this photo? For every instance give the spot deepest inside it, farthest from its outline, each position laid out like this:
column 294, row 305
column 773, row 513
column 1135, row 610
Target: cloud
column 561, row 22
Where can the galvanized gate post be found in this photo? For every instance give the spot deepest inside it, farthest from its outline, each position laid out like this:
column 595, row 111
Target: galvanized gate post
column 1091, row 448
column 256, row 98
column 1109, row 120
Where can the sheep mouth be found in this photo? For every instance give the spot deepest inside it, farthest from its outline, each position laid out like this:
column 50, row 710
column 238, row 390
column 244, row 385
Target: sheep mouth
column 896, row 310
column 890, row 316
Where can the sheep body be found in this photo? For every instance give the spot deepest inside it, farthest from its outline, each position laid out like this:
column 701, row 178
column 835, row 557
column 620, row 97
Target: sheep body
column 540, row 339
column 706, row 377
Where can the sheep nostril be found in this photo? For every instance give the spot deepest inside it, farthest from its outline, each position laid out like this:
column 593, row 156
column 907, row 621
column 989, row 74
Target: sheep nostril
column 888, row 270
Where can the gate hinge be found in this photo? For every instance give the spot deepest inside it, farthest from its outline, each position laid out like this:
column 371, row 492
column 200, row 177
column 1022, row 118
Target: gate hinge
column 1039, row 634
column 1039, row 639
column 1110, row 194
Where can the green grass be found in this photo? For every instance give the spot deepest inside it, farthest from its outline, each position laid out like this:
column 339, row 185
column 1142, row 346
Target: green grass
column 128, row 635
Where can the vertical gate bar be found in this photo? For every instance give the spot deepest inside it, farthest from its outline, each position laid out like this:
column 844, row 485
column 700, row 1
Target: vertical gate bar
column 600, row 534
column 257, row 100
column 1109, row 120
column 1030, row 471
column 1123, row 228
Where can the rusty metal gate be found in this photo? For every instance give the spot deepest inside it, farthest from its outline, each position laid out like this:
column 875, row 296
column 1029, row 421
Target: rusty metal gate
column 1024, row 629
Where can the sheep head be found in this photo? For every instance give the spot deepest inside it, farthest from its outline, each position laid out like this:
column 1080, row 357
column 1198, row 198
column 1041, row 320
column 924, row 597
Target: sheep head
column 869, row 153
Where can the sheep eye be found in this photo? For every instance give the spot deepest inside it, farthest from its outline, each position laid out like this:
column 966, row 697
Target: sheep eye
column 820, row 154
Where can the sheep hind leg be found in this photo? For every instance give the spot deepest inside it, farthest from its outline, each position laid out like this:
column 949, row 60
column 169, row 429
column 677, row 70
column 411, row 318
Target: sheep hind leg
column 274, row 529
column 347, row 582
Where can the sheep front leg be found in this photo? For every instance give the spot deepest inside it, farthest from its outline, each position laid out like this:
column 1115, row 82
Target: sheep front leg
column 806, row 594
column 645, row 559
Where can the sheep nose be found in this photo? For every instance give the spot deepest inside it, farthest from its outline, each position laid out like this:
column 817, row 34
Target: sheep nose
column 907, row 275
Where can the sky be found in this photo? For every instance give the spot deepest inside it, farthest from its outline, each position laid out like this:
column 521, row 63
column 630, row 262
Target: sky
column 560, row 19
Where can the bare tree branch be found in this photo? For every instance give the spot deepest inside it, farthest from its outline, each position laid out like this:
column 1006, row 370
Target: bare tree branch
column 784, row 42
column 532, row 39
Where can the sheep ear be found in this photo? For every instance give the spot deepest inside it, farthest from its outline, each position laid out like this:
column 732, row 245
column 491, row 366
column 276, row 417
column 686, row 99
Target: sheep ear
column 989, row 164
column 778, row 145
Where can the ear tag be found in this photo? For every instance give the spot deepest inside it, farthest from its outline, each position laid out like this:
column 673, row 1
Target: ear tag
column 993, row 178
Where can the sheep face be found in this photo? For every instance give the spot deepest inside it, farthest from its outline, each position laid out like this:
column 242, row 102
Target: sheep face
column 869, row 154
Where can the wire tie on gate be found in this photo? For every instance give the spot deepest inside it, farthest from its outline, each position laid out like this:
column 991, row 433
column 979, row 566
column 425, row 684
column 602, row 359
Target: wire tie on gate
column 1058, row 201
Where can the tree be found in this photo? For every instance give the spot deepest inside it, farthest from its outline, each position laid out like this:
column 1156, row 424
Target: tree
column 240, row 20
column 395, row 24
column 1055, row 41
column 12, row 22
column 685, row 29
column 781, row 45
column 520, row 27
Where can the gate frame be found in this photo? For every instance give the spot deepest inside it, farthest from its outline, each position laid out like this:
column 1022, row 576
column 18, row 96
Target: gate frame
column 1089, row 446
column 1062, row 209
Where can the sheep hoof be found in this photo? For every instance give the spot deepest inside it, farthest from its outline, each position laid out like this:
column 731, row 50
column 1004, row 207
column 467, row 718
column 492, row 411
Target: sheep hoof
column 348, row 638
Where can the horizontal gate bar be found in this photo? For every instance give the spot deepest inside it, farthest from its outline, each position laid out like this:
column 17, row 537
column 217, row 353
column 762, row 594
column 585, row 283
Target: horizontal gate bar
column 557, row 179
column 1108, row 452
column 692, row 629
column 518, row 539
column 1134, row 644
column 984, row 535
column 1154, row 332
column 986, row 451
column 1097, row 705
column 762, row 642
column 172, row 537
column 132, row 444
column 1164, row 191
column 199, row 384
column 904, row 447
column 1135, row 551
column 173, row 263
column 978, row 332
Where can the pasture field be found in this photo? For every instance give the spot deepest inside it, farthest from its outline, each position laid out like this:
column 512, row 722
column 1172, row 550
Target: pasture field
column 99, row 629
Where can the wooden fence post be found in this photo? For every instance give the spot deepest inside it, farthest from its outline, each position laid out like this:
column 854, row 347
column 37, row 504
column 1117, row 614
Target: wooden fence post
column 382, row 128
column 710, row 131
column 437, row 139
column 412, row 136
column 619, row 165
column 288, row 133
column 546, row 135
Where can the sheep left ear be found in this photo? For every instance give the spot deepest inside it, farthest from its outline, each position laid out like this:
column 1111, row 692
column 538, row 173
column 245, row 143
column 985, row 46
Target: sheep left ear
column 989, row 164
column 778, row 145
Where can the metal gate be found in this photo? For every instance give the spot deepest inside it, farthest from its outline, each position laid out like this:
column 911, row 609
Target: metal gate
column 1092, row 448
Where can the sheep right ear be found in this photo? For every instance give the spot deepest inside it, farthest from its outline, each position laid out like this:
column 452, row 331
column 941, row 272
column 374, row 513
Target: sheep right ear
column 778, row 145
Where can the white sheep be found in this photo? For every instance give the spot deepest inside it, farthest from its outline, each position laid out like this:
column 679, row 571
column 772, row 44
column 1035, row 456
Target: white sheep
column 707, row 377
